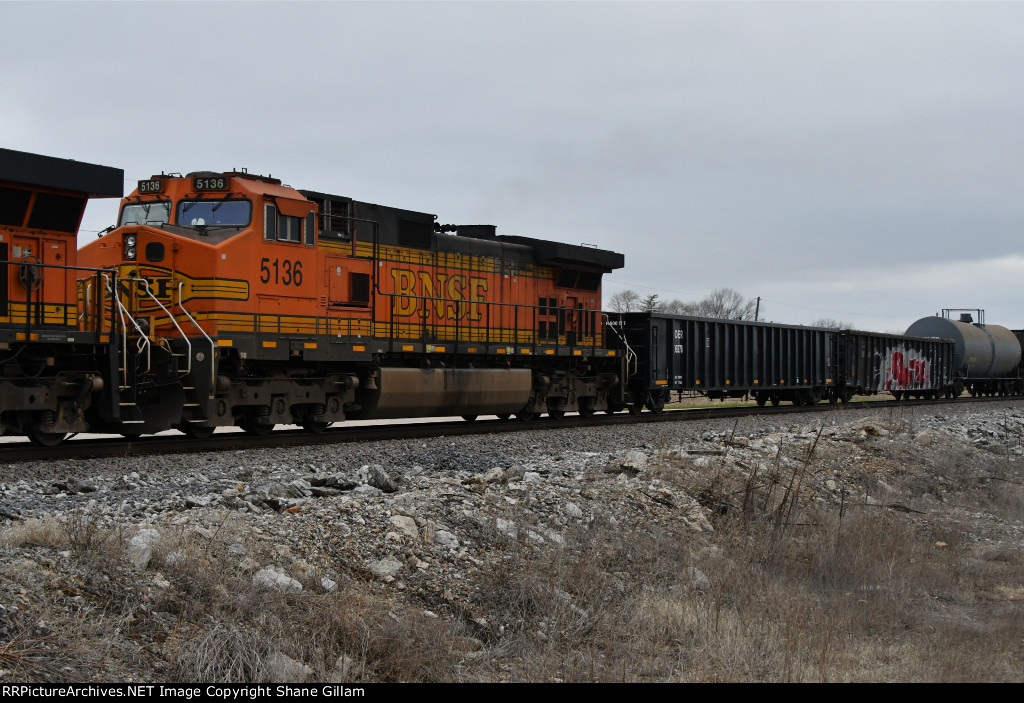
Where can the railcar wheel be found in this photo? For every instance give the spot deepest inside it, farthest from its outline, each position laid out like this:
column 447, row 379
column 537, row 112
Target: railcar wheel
column 469, row 418
column 636, row 408
column 898, row 395
column 761, row 399
column 196, row 431
column 655, row 405
column 45, row 439
column 775, row 401
column 315, row 426
column 503, row 416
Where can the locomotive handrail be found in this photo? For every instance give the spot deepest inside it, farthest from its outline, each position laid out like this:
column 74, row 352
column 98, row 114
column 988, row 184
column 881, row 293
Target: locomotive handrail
column 36, row 265
column 143, row 340
column 486, row 317
column 631, row 357
column 188, row 344
column 213, row 345
column 87, row 299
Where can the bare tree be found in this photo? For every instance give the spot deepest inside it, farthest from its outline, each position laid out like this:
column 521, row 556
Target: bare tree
column 625, row 301
column 726, row 303
column 677, row 307
column 832, row 324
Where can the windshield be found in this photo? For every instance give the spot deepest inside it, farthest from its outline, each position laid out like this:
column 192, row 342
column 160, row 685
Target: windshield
column 151, row 213
column 214, row 213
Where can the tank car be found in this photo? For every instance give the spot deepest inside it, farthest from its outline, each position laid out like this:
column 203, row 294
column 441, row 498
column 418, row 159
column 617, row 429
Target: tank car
column 986, row 358
column 246, row 302
column 53, row 364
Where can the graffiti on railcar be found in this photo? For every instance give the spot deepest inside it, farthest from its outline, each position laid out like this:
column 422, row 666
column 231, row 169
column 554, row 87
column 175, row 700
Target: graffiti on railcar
column 905, row 369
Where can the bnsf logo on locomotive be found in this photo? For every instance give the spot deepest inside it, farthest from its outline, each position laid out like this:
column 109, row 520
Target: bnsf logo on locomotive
column 447, row 295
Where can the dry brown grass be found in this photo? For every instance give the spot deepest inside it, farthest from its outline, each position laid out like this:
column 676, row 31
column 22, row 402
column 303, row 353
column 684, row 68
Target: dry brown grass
column 798, row 590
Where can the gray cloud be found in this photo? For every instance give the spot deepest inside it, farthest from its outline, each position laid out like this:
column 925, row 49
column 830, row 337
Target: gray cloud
column 821, row 155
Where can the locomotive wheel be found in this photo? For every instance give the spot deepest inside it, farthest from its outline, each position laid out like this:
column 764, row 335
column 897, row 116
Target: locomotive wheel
column 586, row 407
column 195, row 431
column 556, row 413
column 636, row 408
column 315, row 426
column 526, row 416
column 256, row 429
column 45, row 439
column 503, row 416
column 469, row 418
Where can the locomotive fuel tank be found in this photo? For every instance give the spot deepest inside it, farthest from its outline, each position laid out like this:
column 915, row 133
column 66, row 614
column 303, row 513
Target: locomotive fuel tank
column 981, row 351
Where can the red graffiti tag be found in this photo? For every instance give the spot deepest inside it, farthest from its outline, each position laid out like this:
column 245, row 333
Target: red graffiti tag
column 911, row 374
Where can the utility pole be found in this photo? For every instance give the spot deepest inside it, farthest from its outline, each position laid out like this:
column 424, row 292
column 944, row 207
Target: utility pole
column 757, row 308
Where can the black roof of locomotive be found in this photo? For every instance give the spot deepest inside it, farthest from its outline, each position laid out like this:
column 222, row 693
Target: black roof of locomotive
column 61, row 174
column 395, row 226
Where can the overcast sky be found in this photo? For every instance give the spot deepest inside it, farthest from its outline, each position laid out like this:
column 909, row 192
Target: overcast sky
column 857, row 161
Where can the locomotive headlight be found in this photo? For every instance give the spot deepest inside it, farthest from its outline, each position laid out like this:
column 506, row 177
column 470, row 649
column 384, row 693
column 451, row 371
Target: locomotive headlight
column 129, row 247
column 129, row 253
column 130, row 240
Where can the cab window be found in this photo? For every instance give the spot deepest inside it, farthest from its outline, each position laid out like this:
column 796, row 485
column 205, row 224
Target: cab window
column 214, row 213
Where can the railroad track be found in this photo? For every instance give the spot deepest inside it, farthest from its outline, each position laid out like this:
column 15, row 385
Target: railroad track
column 101, row 447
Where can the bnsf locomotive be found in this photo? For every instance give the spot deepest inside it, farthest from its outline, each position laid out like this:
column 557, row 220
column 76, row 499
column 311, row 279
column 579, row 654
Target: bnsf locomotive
column 55, row 363
column 241, row 301
column 231, row 299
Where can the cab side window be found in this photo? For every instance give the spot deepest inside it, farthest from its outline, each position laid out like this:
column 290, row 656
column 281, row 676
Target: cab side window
column 286, row 228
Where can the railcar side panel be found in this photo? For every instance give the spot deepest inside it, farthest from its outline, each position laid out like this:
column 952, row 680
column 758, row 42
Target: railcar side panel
column 873, row 363
column 723, row 358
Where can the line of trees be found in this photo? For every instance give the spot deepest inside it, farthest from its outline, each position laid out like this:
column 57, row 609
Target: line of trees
column 722, row 303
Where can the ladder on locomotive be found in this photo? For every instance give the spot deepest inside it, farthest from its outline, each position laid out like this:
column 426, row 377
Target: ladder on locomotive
column 129, row 368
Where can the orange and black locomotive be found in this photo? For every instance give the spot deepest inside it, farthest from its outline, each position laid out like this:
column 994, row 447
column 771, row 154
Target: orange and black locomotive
column 241, row 301
column 54, row 363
